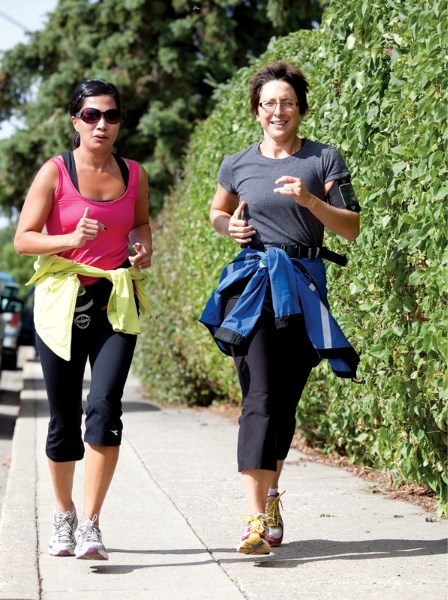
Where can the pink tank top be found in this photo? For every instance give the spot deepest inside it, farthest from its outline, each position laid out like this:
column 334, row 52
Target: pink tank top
column 109, row 249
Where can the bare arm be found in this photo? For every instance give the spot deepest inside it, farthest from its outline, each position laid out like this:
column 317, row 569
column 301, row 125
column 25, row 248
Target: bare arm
column 140, row 236
column 341, row 221
column 29, row 238
column 225, row 216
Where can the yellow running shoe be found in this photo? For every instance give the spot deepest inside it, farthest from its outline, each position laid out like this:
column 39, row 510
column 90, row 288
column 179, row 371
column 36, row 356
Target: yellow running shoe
column 253, row 540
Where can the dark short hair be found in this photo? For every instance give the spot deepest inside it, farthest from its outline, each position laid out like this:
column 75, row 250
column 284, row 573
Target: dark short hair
column 279, row 70
column 86, row 89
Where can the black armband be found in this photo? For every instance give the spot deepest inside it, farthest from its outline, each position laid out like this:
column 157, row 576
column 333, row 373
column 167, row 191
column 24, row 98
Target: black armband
column 342, row 188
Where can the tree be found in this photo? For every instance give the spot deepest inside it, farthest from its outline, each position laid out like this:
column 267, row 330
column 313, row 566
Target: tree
column 20, row 267
column 166, row 57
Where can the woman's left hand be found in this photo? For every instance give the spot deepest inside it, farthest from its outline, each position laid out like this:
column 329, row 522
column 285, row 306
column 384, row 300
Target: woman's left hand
column 142, row 258
column 293, row 187
column 339, row 220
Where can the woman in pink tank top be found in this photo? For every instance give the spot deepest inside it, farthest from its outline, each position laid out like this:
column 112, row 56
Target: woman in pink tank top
column 89, row 206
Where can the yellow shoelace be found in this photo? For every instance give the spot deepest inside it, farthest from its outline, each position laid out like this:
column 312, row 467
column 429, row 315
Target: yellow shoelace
column 273, row 510
column 257, row 522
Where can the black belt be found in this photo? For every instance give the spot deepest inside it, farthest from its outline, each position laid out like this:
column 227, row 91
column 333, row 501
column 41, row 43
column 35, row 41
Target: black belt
column 300, row 251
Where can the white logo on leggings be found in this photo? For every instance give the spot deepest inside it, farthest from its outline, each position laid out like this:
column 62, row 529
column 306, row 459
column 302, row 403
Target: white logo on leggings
column 114, row 431
column 82, row 321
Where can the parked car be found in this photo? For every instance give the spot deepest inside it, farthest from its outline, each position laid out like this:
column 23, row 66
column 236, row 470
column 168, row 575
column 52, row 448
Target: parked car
column 2, row 335
column 11, row 307
column 27, row 335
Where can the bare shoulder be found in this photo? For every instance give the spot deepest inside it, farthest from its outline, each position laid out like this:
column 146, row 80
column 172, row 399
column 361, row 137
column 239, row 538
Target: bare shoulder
column 142, row 175
column 48, row 174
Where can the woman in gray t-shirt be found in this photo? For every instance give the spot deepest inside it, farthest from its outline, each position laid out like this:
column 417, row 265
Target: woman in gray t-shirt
column 282, row 191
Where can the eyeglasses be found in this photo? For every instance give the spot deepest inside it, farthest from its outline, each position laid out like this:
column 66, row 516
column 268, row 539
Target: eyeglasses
column 270, row 106
column 93, row 115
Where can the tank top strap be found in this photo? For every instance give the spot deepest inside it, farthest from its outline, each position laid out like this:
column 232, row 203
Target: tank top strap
column 69, row 163
column 123, row 169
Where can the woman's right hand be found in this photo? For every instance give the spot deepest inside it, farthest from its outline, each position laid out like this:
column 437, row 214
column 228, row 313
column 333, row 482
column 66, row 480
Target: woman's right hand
column 86, row 229
column 239, row 230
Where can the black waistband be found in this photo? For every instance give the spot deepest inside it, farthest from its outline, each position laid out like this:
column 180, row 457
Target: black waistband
column 301, row 251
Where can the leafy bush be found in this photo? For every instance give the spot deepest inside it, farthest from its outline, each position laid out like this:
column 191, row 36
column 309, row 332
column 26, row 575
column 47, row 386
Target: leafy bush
column 378, row 93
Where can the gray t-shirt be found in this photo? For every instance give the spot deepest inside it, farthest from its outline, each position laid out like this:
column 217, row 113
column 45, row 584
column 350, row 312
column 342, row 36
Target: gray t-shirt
column 276, row 218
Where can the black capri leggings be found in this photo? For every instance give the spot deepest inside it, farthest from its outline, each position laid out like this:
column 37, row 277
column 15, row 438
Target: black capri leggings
column 110, row 356
column 273, row 369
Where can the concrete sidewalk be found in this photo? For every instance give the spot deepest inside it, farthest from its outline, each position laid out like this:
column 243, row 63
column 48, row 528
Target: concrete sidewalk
column 171, row 521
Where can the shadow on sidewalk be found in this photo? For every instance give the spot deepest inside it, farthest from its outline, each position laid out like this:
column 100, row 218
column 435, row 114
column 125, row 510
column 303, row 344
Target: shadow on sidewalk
column 290, row 556
column 9, row 397
column 306, row 551
column 9, row 408
column 126, row 569
column 7, row 425
column 128, row 407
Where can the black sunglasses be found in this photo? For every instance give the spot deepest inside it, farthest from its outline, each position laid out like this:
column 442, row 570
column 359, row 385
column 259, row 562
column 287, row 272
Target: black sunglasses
column 93, row 115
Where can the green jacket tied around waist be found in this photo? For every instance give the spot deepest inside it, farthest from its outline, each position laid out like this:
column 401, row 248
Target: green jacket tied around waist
column 57, row 285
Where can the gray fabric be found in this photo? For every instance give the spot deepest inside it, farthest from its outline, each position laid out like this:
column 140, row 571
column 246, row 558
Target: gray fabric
column 277, row 218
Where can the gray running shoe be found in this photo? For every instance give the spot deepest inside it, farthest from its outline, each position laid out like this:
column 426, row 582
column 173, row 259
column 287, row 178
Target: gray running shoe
column 62, row 541
column 89, row 545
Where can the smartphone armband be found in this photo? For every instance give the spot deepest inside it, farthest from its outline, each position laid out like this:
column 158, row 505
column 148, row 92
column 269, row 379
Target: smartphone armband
column 342, row 188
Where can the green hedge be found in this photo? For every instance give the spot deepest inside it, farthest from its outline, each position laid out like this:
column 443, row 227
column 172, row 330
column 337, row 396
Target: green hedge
column 378, row 92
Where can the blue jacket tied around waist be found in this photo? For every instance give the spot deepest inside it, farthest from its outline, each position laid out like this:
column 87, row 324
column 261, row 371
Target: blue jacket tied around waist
column 295, row 290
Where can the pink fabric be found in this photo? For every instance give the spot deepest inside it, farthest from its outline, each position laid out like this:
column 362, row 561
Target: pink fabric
column 110, row 248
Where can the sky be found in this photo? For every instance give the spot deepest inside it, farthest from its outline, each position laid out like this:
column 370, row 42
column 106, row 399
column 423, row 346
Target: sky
column 20, row 16
column 17, row 17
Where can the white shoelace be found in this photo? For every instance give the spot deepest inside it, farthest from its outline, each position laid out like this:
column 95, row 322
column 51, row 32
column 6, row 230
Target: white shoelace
column 62, row 523
column 90, row 533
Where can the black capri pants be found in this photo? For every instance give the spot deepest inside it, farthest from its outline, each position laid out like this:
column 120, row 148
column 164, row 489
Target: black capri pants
column 273, row 368
column 110, row 355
